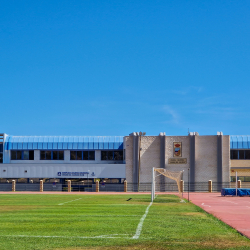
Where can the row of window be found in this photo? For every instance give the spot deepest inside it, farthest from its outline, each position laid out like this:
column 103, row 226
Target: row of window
column 82, row 155
column 51, row 155
column 112, row 155
column 240, row 154
column 242, row 178
column 22, row 155
column 59, row 155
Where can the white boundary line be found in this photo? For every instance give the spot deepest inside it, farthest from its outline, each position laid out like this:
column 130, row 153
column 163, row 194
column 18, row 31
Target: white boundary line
column 69, row 201
column 232, row 202
column 139, row 227
column 205, row 205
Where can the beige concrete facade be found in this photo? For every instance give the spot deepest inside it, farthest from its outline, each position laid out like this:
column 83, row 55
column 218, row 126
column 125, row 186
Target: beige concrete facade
column 240, row 164
column 206, row 157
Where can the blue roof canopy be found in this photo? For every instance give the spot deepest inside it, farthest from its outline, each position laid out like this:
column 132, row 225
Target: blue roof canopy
column 239, row 142
column 63, row 142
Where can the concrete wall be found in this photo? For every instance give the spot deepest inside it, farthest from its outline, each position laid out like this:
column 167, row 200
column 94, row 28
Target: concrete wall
column 185, row 140
column 207, row 157
column 128, row 146
column 240, row 163
column 226, row 164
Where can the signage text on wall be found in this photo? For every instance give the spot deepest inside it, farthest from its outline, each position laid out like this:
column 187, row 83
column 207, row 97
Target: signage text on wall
column 74, row 173
column 177, row 161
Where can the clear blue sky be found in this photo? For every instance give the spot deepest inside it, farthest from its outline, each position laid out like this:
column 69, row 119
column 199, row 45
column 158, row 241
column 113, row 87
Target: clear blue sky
column 98, row 67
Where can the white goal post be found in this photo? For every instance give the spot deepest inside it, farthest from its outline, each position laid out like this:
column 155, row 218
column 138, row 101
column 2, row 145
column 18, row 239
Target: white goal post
column 176, row 176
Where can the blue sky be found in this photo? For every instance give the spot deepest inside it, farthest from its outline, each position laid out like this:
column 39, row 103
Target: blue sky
column 113, row 67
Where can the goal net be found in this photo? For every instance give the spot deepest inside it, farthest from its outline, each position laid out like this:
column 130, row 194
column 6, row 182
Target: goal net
column 176, row 176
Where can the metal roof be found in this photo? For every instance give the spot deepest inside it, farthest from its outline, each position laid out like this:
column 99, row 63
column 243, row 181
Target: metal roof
column 240, row 142
column 63, row 142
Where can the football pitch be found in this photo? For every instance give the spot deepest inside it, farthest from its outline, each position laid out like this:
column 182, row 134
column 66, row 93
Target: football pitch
column 49, row 221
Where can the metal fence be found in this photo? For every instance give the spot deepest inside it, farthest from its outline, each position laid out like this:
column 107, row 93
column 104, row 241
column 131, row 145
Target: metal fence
column 131, row 187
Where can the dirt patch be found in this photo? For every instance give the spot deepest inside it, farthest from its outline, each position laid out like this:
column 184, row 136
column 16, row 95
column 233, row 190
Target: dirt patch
column 16, row 208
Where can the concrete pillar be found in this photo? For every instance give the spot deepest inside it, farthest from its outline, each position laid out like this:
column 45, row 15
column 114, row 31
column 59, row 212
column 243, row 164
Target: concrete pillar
column 239, row 184
column 97, row 186
column 13, row 185
column 219, row 159
column 162, row 159
column 210, row 186
column 192, row 136
column 69, row 185
column 136, row 164
column 125, row 186
column 182, row 185
column 41, row 185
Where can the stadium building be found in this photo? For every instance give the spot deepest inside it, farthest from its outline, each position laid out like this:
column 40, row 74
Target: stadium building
column 113, row 159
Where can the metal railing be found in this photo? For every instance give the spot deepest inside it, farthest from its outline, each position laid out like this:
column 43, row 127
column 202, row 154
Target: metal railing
column 114, row 187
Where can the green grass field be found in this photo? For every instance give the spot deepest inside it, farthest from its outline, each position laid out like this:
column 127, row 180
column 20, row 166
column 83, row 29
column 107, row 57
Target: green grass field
column 110, row 222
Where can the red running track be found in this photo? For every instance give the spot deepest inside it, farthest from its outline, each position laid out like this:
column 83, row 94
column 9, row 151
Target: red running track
column 234, row 211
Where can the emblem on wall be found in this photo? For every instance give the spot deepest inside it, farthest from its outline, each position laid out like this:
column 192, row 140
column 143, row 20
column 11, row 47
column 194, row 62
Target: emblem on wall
column 177, row 149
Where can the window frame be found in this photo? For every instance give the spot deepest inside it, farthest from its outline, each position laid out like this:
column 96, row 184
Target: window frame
column 242, row 154
column 82, row 153
column 20, row 155
column 49, row 155
column 108, row 153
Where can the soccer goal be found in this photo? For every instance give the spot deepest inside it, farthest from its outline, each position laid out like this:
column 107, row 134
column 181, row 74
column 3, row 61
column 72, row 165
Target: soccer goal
column 176, row 176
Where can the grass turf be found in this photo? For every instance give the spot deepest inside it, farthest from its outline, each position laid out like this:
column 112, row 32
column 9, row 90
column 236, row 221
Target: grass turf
column 110, row 222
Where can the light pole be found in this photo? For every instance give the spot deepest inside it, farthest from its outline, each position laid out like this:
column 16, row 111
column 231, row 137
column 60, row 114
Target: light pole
column 182, row 184
column 188, row 184
column 88, row 180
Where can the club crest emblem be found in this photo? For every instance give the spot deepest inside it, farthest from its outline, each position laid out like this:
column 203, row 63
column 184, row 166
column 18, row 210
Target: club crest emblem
column 177, row 149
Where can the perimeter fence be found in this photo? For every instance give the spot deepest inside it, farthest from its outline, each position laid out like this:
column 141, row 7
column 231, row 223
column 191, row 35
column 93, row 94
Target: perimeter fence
column 130, row 187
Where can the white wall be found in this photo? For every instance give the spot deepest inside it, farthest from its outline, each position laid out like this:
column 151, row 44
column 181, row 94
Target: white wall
column 48, row 170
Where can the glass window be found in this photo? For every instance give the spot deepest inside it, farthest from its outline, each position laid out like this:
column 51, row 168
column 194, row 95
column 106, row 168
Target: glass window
column 234, row 154
column 31, row 155
column 104, row 155
column 241, row 154
column 48, row 155
column 79, row 155
column 13, row 155
column 61, row 155
column 42, row 155
column 1, row 157
column 1, row 147
column 91, row 155
column 22, row 155
column 247, row 178
column 110, row 155
column 19, row 155
column 118, row 155
column 85, row 155
column 82, row 155
column 26, row 155
column 55, row 155
column 52, row 155
column 247, row 154
column 72, row 155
